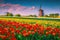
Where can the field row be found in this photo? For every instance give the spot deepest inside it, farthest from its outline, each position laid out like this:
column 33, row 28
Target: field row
column 32, row 21
column 12, row 30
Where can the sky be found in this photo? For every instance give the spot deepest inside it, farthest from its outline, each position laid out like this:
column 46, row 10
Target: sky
column 29, row 7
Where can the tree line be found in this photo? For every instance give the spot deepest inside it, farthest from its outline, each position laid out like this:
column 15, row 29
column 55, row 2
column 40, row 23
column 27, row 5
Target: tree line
column 10, row 14
column 54, row 15
column 18, row 15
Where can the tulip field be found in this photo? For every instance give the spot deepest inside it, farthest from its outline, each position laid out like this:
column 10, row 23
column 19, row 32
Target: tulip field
column 29, row 29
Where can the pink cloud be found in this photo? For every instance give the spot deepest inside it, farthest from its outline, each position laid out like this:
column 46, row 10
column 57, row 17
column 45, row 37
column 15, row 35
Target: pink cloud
column 2, row 5
column 16, row 8
column 32, row 8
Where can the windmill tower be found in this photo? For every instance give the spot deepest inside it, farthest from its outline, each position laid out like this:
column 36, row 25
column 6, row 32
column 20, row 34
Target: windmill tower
column 41, row 12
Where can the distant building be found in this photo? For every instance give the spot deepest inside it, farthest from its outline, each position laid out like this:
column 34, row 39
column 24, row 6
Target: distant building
column 41, row 12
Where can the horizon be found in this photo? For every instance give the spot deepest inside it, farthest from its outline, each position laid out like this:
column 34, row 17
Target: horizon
column 29, row 7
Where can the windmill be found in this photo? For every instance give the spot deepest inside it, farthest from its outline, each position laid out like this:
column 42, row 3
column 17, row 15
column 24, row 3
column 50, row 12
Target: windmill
column 41, row 12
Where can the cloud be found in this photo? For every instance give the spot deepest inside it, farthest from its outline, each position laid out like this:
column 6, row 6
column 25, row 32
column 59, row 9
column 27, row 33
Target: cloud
column 16, row 8
column 32, row 8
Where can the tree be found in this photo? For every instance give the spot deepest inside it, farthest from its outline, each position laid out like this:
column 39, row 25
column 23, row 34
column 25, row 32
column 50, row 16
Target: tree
column 9, row 14
column 57, row 14
column 46, row 16
column 54, row 15
column 32, row 16
column 18, row 15
column 51, row 15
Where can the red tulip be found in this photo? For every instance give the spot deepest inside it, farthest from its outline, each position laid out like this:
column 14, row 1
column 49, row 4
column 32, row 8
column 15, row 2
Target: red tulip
column 47, row 33
column 33, row 32
column 18, row 31
column 54, row 33
column 13, row 38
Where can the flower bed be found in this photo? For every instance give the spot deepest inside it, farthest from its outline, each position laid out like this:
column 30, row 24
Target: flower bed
column 10, row 30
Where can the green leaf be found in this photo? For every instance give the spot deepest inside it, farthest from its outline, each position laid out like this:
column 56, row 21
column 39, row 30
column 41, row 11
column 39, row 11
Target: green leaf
column 0, row 38
column 18, row 36
column 50, row 37
column 43, row 37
